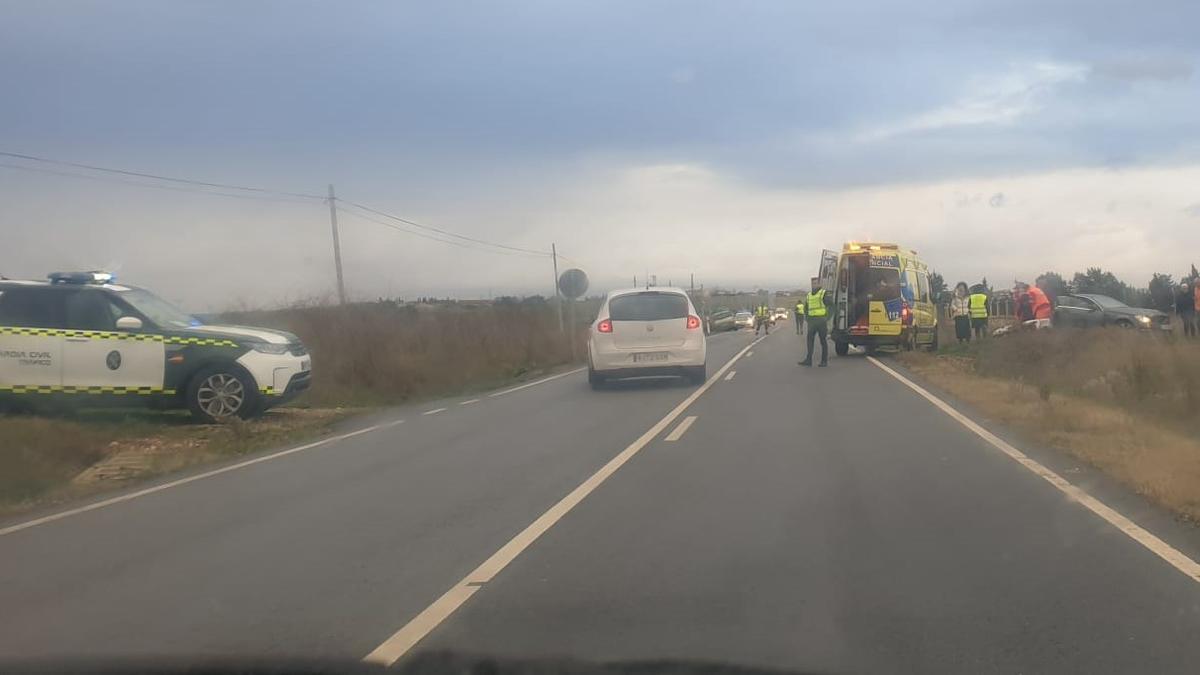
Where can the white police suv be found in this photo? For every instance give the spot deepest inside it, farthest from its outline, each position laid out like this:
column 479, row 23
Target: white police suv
column 81, row 337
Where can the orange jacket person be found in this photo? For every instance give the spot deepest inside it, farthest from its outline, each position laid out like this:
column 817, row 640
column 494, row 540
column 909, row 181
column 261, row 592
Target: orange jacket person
column 1042, row 308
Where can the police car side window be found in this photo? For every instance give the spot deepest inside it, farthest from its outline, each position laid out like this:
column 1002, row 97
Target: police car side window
column 90, row 310
column 31, row 308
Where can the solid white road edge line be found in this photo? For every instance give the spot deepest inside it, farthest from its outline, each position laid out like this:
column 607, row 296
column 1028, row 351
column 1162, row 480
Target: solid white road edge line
column 730, row 375
column 434, row 411
column 432, row 616
column 537, row 382
column 1152, row 543
column 681, row 429
column 191, row 479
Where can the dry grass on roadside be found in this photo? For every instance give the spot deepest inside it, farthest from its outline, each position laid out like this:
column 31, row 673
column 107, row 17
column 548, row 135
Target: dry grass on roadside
column 55, row 458
column 1122, row 402
column 384, row 353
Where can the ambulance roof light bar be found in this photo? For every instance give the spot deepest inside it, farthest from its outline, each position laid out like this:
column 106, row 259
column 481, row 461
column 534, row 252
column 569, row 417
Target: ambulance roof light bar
column 855, row 246
column 94, row 277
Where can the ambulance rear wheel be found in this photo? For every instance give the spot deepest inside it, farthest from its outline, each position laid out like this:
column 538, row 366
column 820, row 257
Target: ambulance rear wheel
column 841, row 348
column 221, row 393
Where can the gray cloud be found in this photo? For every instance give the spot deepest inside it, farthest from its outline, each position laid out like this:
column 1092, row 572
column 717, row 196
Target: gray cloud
column 1146, row 67
column 477, row 116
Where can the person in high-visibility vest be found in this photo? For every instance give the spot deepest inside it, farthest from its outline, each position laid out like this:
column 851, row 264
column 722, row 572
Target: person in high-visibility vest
column 762, row 318
column 817, row 305
column 978, row 304
column 799, row 317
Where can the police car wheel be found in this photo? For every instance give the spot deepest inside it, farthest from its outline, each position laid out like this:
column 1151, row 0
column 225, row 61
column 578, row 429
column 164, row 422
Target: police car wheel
column 221, row 393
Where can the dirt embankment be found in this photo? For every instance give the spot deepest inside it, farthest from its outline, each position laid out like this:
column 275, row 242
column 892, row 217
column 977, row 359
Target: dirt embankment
column 1124, row 402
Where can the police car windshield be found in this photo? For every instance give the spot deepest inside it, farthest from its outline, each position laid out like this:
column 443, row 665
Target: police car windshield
column 158, row 310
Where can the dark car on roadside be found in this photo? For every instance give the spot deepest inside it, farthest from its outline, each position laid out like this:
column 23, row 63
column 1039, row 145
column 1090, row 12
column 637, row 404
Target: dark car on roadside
column 721, row 320
column 1087, row 310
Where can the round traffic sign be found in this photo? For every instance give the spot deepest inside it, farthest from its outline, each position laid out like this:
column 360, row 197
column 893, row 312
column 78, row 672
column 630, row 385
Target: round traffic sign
column 573, row 283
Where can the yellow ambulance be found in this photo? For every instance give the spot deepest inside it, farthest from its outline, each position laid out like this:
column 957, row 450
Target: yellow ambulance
column 881, row 298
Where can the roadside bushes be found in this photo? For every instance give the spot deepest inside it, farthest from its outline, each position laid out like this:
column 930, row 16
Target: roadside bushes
column 1143, row 373
column 384, row 353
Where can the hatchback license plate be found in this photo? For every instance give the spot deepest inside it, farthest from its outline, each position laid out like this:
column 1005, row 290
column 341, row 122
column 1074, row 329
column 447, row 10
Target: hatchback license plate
column 644, row 357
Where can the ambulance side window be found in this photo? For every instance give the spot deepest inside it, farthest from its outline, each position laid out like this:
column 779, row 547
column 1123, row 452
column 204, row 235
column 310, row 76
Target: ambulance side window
column 91, row 310
column 31, row 308
column 910, row 291
column 923, row 285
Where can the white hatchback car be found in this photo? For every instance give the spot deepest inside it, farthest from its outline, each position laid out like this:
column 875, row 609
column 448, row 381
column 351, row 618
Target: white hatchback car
column 647, row 332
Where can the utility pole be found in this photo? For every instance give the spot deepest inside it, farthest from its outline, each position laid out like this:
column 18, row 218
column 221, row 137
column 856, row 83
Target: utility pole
column 557, row 295
column 337, row 245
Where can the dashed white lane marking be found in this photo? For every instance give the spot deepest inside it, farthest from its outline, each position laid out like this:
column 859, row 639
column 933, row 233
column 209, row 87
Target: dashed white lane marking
column 432, row 616
column 1152, row 543
column 730, row 375
column 680, row 430
column 537, row 382
column 474, row 400
column 434, row 411
column 191, row 479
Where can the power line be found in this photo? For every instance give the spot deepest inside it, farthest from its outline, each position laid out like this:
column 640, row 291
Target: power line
column 447, row 233
column 173, row 188
column 431, row 237
column 92, row 167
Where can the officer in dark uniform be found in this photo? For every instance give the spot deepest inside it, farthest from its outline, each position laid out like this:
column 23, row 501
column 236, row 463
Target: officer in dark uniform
column 816, row 307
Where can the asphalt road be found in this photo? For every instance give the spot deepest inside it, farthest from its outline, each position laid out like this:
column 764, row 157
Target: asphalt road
column 822, row 520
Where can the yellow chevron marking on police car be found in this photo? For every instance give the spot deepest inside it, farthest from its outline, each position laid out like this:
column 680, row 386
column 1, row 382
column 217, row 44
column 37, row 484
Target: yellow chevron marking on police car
column 108, row 335
column 97, row 334
column 268, row 391
column 206, row 342
column 81, row 389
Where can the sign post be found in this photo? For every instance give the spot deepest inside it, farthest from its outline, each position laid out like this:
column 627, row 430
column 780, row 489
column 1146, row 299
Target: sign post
column 572, row 284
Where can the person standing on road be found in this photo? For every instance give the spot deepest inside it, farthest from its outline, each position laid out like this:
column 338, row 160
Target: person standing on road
column 977, row 307
column 1185, row 307
column 762, row 318
column 817, row 305
column 960, row 312
column 799, row 317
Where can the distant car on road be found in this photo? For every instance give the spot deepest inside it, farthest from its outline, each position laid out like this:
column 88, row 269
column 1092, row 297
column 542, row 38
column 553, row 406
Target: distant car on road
column 780, row 314
column 1086, row 310
column 647, row 332
column 743, row 319
column 83, row 338
column 721, row 320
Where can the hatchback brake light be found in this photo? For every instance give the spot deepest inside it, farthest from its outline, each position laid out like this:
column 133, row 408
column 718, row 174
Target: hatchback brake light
column 604, row 326
column 693, row 322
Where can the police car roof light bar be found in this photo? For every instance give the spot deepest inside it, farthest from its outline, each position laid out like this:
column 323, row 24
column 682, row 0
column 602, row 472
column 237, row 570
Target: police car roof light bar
column 94, row 277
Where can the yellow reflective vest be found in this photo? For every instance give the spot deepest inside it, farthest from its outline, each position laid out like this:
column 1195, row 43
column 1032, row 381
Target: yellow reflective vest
column 799, row 309
column 816, row 304
column 978, row 305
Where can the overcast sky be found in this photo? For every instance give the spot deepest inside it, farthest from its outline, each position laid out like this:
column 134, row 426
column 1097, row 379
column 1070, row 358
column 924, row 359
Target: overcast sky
column 729, row 140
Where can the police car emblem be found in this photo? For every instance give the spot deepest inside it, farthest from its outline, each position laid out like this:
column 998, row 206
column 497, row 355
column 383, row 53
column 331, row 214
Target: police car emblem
column 113, row 360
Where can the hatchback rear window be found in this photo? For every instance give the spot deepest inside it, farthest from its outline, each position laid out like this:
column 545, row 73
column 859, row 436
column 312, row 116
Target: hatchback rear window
column 648, row 307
